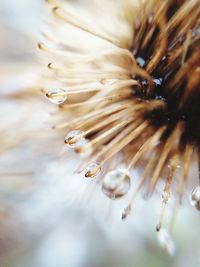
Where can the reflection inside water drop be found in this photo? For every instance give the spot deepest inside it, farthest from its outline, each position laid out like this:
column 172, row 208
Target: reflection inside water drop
column 74, row 138
column 92, row 170
column 116, row 183
column 57, row 95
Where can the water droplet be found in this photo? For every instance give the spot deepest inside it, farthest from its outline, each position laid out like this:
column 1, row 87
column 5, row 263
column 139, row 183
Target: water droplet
column 126, row 212
column 57, row 95
column 195, row 197
column 92, row 170
column 166, row 242
column 74, row 138
column 116, row 184
column 140, row 61
column 84, row 148
column 158, row 81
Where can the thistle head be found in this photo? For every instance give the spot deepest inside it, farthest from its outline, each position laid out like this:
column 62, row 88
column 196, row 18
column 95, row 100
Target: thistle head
column 131, row 88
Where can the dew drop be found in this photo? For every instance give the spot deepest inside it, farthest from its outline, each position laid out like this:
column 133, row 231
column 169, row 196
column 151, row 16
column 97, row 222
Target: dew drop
column 116, row 184
column 166, row 242
column 195, row 197
column 158, row 81
column 126, row 212
column 140, row 61
column 57, row 96
column 92, row 170
column 74, row 138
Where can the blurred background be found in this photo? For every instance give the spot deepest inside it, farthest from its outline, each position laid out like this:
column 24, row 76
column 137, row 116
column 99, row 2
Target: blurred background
column 50, row 217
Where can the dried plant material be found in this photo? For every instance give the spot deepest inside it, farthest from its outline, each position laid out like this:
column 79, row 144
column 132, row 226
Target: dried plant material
column 128, row 79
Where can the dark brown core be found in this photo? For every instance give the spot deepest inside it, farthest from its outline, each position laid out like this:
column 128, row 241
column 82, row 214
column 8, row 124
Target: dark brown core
column 176, row 73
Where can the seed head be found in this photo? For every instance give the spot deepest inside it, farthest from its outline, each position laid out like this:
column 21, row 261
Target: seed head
column 132, row 88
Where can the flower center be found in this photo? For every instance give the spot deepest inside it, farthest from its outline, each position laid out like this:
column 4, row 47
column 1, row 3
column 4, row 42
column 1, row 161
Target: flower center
column 166, row 46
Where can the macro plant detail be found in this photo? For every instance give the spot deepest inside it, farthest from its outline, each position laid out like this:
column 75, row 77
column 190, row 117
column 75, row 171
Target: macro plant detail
column 128, row 93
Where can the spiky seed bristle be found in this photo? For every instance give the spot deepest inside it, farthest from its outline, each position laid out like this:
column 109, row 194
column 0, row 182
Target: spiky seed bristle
column 138, row 94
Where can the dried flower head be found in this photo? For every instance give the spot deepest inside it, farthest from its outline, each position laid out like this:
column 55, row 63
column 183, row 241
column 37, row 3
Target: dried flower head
column 125, row 75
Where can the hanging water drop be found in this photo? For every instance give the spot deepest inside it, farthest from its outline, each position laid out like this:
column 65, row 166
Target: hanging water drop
column 92, row 170
column 126, row 212
column 116, row 184
column 74, row 138
column 57, row 96
column 195, row 197
column 166, row 242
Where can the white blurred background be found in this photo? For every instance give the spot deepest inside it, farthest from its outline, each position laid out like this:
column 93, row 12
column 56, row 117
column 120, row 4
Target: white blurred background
column 50, row 217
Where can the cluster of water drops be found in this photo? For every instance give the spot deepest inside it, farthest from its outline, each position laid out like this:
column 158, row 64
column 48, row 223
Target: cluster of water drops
column 117, row 182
